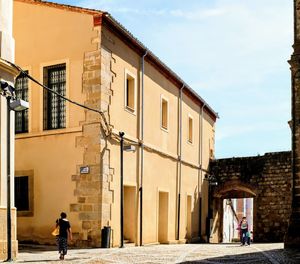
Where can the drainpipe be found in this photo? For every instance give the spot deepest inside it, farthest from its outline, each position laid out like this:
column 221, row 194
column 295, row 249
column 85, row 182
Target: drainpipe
column 179, row 157
column 142, row 147
column 201, row 175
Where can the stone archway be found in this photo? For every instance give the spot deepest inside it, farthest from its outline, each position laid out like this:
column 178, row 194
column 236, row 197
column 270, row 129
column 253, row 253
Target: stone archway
column 234, row 189
column 267, row 179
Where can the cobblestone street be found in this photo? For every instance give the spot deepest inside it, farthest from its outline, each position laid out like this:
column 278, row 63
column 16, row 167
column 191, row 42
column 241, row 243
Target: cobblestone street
column 184, row 253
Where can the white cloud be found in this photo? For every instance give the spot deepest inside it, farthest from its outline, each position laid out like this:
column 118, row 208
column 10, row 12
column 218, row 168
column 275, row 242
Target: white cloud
column 197, row 14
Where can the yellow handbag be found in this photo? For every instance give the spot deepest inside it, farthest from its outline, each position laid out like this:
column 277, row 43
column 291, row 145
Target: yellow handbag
column 55, row 232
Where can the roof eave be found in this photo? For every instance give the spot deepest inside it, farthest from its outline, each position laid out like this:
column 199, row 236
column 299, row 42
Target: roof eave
column 143, row 49
column 63, row 6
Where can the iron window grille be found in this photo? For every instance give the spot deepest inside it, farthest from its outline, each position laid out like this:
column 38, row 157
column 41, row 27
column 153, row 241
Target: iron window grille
column 55, row 106
column 21, row 117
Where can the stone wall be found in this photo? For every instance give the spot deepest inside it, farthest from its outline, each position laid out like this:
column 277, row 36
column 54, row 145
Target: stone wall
column 265, row 178
column 93, row 190
column 274, row 199
column 107, row 172
column 292, row 239
column 89, row 186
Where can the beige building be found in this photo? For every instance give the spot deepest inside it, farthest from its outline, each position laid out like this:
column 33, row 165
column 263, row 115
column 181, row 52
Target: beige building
column 68, row 157
column 7, row 76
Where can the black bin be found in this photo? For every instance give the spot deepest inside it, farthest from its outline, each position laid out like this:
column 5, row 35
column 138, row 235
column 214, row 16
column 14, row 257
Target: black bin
column 105, row 237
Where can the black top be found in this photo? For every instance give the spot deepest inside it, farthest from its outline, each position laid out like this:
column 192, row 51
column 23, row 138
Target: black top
column 64, row 225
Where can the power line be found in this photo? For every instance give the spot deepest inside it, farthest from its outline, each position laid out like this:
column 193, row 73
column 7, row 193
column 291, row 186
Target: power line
column 24, row 73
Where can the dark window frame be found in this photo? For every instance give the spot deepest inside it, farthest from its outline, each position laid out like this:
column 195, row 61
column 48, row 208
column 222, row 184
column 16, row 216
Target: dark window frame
column 28, row 211
column 54, row 112
column 21, row 117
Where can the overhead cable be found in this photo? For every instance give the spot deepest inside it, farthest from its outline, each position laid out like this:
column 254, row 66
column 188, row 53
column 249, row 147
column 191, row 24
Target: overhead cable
column 24, row 73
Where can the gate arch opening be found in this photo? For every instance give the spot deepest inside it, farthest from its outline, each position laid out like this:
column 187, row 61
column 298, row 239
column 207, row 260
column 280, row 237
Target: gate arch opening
column 267, row 179
column 230, row 202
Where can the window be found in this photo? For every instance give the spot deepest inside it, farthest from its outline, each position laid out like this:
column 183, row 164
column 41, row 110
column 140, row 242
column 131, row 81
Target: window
column 211, row 149
column 164, row 113
column 190, row 129
column 54, row 106
column 21, row 117
column 129, row 92
column 24, row 193
column 211, row 154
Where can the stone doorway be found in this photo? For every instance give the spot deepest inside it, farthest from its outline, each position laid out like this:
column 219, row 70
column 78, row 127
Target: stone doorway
column 223, row 199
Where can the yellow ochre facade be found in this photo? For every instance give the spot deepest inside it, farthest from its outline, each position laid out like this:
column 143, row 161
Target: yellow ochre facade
column 69, row 157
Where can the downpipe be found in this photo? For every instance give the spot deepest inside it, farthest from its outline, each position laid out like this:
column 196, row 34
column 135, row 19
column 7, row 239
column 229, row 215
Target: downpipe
column 142, row 147
column 179, row 156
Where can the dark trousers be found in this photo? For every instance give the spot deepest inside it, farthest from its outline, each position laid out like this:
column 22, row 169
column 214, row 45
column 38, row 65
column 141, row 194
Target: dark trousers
column 62, row 244
column 244, row 238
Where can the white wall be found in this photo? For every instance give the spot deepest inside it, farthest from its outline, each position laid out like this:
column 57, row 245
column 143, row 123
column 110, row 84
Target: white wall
column 6, row 38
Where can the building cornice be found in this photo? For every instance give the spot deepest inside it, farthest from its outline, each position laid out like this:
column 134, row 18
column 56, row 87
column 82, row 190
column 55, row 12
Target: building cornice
column 6, row 67
column 62, row 6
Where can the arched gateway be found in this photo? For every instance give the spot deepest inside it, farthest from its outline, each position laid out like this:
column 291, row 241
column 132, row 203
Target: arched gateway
column 266, row 179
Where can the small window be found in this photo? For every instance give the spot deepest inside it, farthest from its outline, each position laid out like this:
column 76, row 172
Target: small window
column 211, row 154
column 190, row 129
column 55, row 106
column 164, row 113
column 24, row 193
column 21, row 117
column 211, row 149
column 129, row 92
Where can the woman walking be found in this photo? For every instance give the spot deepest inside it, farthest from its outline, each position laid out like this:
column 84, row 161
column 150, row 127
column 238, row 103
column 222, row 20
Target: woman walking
column 65, row 233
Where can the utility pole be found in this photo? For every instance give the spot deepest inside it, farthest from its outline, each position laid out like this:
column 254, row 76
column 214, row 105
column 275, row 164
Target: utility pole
column 121, row 134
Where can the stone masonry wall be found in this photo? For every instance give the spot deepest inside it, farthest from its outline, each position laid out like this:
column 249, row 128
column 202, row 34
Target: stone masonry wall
column 92, row 189
column 292, row 239
column 269, row 177
column 274, row 198
column 107, row 172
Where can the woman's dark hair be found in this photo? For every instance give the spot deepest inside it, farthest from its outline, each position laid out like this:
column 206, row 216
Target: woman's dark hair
column 63, row 215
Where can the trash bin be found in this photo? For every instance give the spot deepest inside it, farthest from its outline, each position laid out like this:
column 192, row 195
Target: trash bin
column 105, row 237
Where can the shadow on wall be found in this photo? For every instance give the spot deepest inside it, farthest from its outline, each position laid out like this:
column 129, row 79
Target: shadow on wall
column 279, row 256
column 194, row 220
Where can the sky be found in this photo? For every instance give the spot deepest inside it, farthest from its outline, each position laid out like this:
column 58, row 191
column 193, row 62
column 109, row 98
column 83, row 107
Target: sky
column 233, row 53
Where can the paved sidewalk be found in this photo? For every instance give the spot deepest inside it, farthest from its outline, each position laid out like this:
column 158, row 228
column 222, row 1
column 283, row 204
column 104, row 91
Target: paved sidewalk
column 185, row 253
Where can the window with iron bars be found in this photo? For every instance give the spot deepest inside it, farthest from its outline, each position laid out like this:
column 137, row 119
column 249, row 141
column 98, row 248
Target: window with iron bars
column 21, row 117
column 55, row 106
